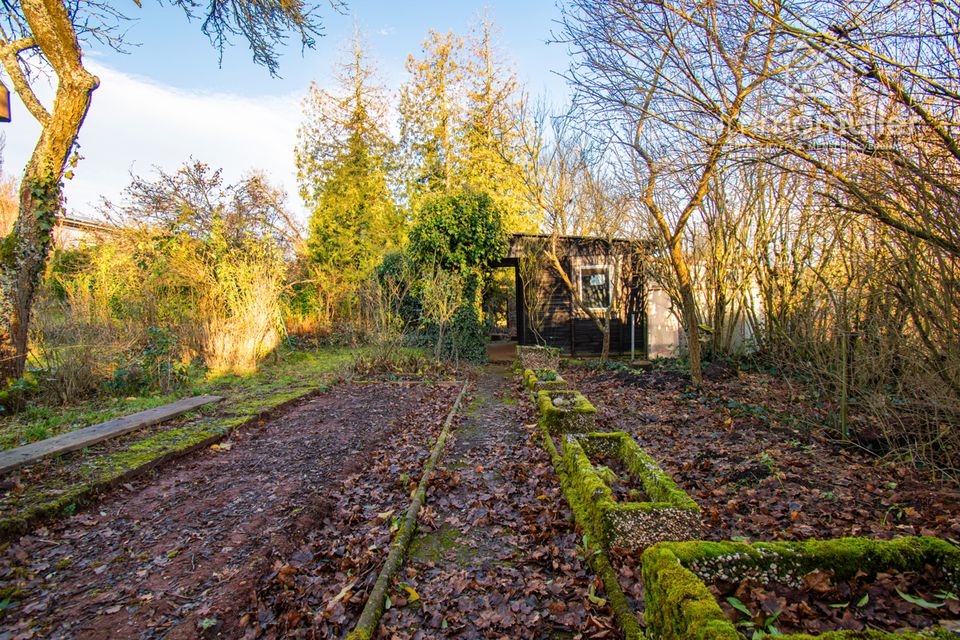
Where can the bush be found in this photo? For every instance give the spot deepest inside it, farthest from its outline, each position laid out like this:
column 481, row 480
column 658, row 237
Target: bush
column 155, row 367
column 468, row 334
column 238, row 304
column 74, row 342
column 459, row 232
column 454, row 243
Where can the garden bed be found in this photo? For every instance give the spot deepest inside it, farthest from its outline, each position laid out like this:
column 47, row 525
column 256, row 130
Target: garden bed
column 565, row 412
column 662, row 512
column 624, row 485
column 218, row 540
column 759, row 455
column 537, row 357
column 58, row 487
column 544, row 380
column 680, row 604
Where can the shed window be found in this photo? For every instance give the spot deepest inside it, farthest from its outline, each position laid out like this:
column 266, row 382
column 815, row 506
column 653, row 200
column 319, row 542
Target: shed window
column 595, row 286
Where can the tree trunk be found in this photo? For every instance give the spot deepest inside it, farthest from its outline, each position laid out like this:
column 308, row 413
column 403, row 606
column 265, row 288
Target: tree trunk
column 689, row 303
column 605, row 349
column 25, row 249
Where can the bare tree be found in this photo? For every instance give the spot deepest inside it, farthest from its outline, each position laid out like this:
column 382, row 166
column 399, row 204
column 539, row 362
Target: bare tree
column 47, row 34
column 566, row 182
column 669, row 81
column 873, row 109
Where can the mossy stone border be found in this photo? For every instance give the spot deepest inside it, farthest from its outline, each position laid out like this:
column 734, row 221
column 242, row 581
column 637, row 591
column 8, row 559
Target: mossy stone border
column 679, row 605
column 596, row 555
column 578, row 418
column 532, row 381
column 670, row 514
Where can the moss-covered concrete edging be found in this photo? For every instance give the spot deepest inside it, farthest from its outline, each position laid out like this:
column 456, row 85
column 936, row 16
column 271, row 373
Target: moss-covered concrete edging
column 679, row 605
column 544, row 380
column 565, row 412
column 369, row 619
column 537, row 357
column 670, row 514
column 596, row 555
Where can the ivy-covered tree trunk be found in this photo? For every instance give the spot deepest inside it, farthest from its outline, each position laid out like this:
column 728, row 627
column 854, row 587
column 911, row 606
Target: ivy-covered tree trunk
column 25, row 249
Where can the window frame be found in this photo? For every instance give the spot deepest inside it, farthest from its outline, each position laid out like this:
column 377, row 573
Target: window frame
column 608, row 270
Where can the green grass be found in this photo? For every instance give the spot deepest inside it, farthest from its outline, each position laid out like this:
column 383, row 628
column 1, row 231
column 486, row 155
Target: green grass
column 293, row 371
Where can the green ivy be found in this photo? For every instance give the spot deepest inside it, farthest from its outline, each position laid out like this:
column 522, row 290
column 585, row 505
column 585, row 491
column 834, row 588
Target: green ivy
column 468, row 333
column 460, row 232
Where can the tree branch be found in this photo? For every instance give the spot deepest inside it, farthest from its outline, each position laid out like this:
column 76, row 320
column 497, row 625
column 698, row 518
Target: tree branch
column 9, row 56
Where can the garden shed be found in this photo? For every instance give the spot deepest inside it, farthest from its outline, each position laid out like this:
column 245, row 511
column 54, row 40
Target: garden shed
column 601, row 275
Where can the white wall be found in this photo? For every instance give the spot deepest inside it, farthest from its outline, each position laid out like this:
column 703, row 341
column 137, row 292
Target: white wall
column 665, row 335
column 663, row 328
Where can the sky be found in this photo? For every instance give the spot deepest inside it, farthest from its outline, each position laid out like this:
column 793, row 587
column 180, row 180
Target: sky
column 168, row 98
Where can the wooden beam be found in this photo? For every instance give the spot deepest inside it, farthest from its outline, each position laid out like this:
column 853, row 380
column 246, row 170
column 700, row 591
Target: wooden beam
column 71, row 441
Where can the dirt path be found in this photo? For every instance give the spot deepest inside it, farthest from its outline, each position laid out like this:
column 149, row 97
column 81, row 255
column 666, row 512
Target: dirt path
column 496, row 553
column 167, row 555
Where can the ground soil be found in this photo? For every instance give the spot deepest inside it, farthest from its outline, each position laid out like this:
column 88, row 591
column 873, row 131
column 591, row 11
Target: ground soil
column 763, row 461
column 282, row 533
column 820, row 603
column 167, row 555
column 626, row 487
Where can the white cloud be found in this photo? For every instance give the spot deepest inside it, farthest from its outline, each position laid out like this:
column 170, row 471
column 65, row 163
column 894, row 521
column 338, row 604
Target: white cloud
column 135, row 123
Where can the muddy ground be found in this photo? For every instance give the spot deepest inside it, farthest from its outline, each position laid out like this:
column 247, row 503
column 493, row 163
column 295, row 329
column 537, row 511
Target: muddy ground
column 280, row 533
column 178, row 554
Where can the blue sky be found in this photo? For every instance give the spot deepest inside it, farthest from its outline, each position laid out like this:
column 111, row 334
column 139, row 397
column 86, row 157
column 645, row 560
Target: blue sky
column 167, row 99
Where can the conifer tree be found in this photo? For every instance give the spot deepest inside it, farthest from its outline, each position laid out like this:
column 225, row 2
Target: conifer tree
column 489, row 134
column 343, row 160
column 430, row 110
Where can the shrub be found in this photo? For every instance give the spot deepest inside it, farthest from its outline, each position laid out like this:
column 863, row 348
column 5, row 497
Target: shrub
column 454, row 243
column 459, row 232
column 74, row 343
column 238, row 291
column 468, row 335
column 156, row 366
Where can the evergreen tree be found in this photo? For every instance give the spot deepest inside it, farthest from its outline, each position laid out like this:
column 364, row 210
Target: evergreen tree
column 489, row 132
column 343, row 160
column 430, row 110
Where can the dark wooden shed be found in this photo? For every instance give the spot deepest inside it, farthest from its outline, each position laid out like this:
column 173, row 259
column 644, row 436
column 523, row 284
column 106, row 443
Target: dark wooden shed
column 606, row 274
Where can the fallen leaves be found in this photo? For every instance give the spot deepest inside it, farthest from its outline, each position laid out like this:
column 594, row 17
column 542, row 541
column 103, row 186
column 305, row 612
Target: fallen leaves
column 498, row 557
column 749, row 452
column 886, row 602
column 322, row 586
column 192, row 542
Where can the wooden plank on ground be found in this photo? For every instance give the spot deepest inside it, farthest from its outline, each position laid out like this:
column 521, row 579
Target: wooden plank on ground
column 71, row 441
